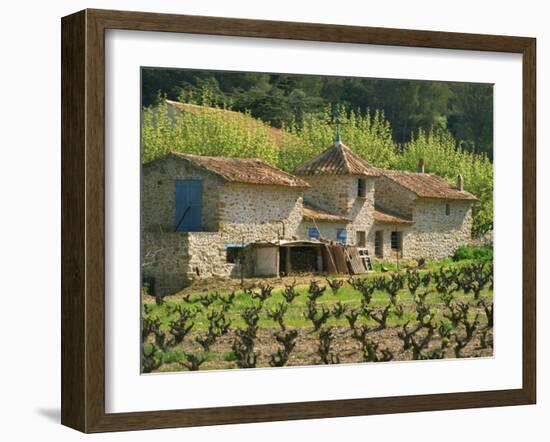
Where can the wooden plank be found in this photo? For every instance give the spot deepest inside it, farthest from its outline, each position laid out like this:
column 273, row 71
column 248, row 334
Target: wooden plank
column 329, row 264
column 73, row 249
column 340, row 258
column 356, row 262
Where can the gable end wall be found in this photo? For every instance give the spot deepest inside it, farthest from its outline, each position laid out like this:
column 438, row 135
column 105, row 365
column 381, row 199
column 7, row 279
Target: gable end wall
column 436, row 235
column 390, row 195
column 158, row 194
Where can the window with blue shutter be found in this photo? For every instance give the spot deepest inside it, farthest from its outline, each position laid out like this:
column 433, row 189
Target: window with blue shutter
column 188, row 205
column 342, row 236
column 313, row 233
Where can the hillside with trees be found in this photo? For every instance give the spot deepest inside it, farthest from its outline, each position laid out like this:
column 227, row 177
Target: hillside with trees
column 465, row 110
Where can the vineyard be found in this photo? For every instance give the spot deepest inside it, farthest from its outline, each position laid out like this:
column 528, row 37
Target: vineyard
column 417, row 314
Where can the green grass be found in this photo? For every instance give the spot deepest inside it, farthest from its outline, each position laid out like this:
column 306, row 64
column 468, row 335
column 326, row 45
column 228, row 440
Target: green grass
column 294, row 317
column 447, row 263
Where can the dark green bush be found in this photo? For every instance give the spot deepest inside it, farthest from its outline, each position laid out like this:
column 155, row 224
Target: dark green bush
column 473, row 253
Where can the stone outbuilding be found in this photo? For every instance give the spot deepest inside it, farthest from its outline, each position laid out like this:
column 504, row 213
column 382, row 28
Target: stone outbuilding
column 215, row 217
column 431, row 218
column 198, row 212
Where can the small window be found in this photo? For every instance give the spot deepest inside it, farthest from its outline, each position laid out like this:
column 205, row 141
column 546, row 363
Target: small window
column 361, row 239
column 313, row 233
column 378, row 241
column 341, row 236
column 361, row 188
column 396, row 241
column 233, row 254
column 447, row 209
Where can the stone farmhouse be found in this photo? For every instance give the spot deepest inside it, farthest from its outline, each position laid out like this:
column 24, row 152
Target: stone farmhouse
column 216, row 217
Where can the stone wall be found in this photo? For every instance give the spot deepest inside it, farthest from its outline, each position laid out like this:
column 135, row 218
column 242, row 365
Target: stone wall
column 175, row 259
column 259, row 212
column 361, row 210
column 434, row 235
column 158, row 194
column 327, row 230
column 338, row 195
column 207, row 256
column 329, row 192
column 165, row 257
column 392, row 196
column 387, row 253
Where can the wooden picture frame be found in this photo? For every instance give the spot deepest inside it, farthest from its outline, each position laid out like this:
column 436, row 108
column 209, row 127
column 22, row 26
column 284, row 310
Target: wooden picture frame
column 83, row 216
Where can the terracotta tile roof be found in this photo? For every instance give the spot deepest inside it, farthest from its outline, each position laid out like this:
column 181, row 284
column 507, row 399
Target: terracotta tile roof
column 244, row 170
column 427, row 185
column 383, row 215
column 337, row 160
column 316, row 214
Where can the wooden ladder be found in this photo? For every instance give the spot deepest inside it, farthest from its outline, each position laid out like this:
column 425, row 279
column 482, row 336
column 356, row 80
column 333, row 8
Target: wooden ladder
column 364, row 255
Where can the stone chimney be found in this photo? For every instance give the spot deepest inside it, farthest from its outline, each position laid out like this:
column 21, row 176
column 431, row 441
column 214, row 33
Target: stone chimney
column 421, row 165
column 459, row 183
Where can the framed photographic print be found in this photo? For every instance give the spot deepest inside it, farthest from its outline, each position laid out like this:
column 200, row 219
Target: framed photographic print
column 267, row 221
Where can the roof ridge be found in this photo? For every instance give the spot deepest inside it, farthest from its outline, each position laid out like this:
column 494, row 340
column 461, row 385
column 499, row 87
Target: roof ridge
column 345, row 150
column 278, row 169
column 243, row 170
column 434, row 187
column 338, row 159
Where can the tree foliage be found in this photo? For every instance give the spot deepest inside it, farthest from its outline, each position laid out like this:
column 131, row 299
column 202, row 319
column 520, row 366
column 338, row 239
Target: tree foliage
column 204, row 132
column 465, row 109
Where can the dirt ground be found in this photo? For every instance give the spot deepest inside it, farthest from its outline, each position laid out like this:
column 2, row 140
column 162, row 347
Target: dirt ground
column 348, row 349
column 307, row 343
column 234, row 284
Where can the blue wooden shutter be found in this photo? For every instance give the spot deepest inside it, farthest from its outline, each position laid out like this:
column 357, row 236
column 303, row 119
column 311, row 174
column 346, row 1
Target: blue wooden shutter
column 342, row 236
column 313, row 233
column 188, row 205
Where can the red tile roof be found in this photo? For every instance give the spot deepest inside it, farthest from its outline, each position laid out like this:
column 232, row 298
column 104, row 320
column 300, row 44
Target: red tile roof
column 337, row 160
column 244, row 170
column 316, row 214
column 427, row 185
